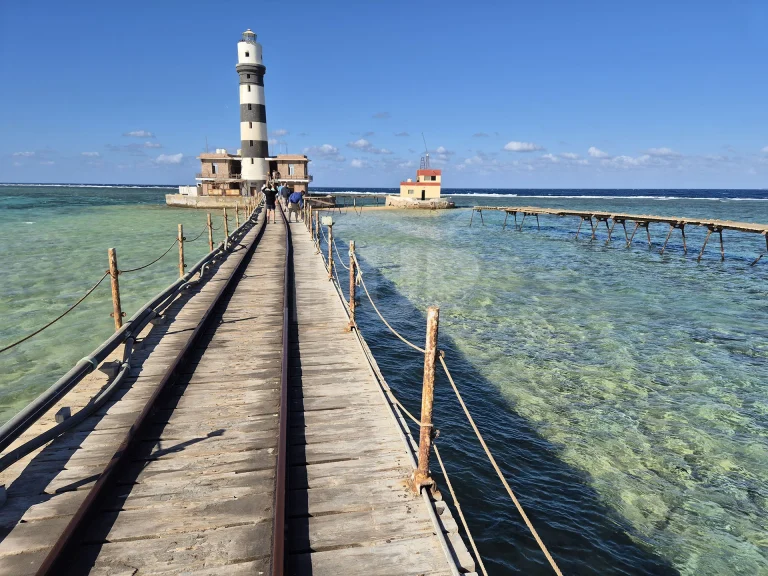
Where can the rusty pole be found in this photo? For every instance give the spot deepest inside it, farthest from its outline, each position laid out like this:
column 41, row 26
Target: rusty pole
column 117, row 311
column 352, row 275
column 226, row 230
column 210, row 234
column 180, row 238
column 237, row 216
column 317, row 229
column 330, row 251
column 421, row 476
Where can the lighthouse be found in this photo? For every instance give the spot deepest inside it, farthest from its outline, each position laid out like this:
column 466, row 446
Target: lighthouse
column 253, row 114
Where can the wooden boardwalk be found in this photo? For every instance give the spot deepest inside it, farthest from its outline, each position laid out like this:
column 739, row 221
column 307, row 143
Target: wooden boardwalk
column 180, row 475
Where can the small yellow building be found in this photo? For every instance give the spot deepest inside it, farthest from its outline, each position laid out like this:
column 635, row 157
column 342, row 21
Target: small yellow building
column 426, row 186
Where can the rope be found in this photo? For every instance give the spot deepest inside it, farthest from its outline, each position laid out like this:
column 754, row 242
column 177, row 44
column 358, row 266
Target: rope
column 387, row 324
column 458, row 509
column 198, row 236
column 339, row 255
column 498, row 471
column 52, row 322
column 153, row 261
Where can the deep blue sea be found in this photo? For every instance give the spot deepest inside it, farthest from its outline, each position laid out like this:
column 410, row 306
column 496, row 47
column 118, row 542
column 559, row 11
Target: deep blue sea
column 622, row 391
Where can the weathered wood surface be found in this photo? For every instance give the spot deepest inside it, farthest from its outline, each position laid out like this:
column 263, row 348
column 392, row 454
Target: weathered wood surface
column 618, row 216
column 350, row 509
column 46, row 488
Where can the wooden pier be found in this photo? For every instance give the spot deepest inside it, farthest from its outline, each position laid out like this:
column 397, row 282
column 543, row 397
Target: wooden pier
column 640, row 221
column 250, row 435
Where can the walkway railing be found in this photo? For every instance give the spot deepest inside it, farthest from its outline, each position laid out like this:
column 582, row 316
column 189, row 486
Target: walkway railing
column 125, row 333
column 421, row 476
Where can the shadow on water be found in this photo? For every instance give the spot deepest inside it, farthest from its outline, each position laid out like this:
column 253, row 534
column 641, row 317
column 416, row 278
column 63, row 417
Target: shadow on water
column 584, row 535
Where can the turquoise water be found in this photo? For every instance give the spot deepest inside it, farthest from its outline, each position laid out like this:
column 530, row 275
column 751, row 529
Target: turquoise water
column 623, row 392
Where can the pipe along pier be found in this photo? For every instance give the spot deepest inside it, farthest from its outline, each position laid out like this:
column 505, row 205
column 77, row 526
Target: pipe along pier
column 640, row 221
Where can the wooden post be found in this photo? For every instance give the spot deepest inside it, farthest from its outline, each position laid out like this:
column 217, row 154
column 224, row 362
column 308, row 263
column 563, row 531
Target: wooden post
column 671, row 227
column 352, row 275
column 237, row 216
column 226, row 229
column 117, row 311
column 421, row 476
column 317, row 229
column 591, row 225
column 506, row 215
column 709, row 231
column 210, row 234
column 537, row 222
column 648, row 231
column 481, row 217
column 610, row 230
column 522, row 221
column 180, row 238
column 579, row 228
column 471, row 217
column 330, row 251
column 637, row 225
column 682, row 231
column 722, row 249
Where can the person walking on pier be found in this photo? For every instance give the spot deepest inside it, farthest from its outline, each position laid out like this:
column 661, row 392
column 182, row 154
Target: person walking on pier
column 295, row 204
column 270, row 193
column 285, row 192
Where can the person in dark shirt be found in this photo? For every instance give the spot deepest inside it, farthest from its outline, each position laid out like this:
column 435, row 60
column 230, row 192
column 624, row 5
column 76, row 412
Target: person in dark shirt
column 295, row 204
column 270, row 193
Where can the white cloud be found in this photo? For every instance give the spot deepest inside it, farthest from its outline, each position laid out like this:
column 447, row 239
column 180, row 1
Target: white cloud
column 365, row 146
column 764, row 150
column 90, row 154
column 551, row 157
column 628, row 161
column 570, row 155
column 169, row 158
column 280, row 132
column 663, row 153
column 381, row 115
column 404, row 134
column 325, row 151
column 23, row 154
column 152, row 145
column 516, row 146
column 139, row 134
column 597, row 153
column 47, row 162
column 357, row 163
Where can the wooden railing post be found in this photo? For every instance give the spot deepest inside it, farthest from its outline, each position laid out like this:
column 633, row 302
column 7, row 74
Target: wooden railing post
column 317, row 229
column 210, row 234
column 421, row 476
column 226, row 230
column 180, row 238
column 330, row 251
column 352, row 277
column 117, row 311
column 237, row 216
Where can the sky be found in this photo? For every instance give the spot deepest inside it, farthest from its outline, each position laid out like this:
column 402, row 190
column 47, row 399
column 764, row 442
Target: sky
column 508, row 94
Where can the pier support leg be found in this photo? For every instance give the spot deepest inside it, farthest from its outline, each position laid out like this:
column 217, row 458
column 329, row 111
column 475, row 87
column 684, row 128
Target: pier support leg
column 506, row 215
column 515, row 215
column 761, row 255
column 648, row 232
column 579, row 228
column 471, row 217
column 210, row 233
column 481, row 217
column 117, row 311
column 426, row 434
column 523, row 221
column 722, row 248
column 591, row 225
column 537, row 222
column 629, row 241
column 671, row 227
column 704, row 245
column 626, row 236
column 181, row 239
column 682, row 231
column 352, row 286
column 610, row 228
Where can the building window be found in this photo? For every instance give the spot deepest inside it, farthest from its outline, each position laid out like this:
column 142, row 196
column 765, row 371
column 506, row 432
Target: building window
column 250, row 142
column 290, row 169
column 251, row 160
column 247, row 54
column 410, row 191
column 249, row 106
column 434, row 178
column 247, row 75
column 213, row 168
column 250, row 124
column 249, row 87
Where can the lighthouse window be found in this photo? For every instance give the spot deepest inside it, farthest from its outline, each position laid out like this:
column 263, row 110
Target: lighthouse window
column 249, row 87
column 247, row 54
column 250, row 142
column 249, row 106
column 247, row 75
column 250, row 124
column 251, row 160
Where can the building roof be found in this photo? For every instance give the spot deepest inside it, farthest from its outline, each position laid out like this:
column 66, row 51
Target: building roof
column 428, row 172
column 217, row 156
column 291, row 157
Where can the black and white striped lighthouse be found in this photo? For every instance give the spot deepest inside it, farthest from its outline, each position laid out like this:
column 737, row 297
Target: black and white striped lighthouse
column 253, row 114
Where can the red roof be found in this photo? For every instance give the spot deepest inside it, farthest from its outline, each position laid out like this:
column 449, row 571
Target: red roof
column 417, row 184
column 428, row 172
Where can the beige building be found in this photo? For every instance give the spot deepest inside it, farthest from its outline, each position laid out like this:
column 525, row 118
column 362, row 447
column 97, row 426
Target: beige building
column 426, row 186
column 220, row 173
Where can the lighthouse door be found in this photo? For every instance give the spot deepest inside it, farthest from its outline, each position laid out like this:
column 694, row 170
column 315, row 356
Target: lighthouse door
column 423, row 194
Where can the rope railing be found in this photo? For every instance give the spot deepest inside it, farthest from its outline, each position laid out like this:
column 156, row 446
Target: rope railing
column 542, row 546
column 59, row 317
column 155, row 261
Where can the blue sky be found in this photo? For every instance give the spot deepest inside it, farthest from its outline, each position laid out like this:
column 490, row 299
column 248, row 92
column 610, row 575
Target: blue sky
column 589, row 94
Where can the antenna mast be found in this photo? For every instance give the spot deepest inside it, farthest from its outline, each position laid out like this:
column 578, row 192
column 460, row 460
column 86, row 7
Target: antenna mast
column 425, row 158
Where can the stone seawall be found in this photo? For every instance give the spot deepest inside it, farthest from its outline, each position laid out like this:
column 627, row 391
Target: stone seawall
column 436, row 204
column 207, row 202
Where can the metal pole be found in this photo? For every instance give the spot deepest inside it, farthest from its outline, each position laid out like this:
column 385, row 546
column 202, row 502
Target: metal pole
column 421, row 476
column 226, row 230
column 352, row 274
column 117, row 311
column 237, row 216
column 210, row 234
column 330, row 251
column 180, row 238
